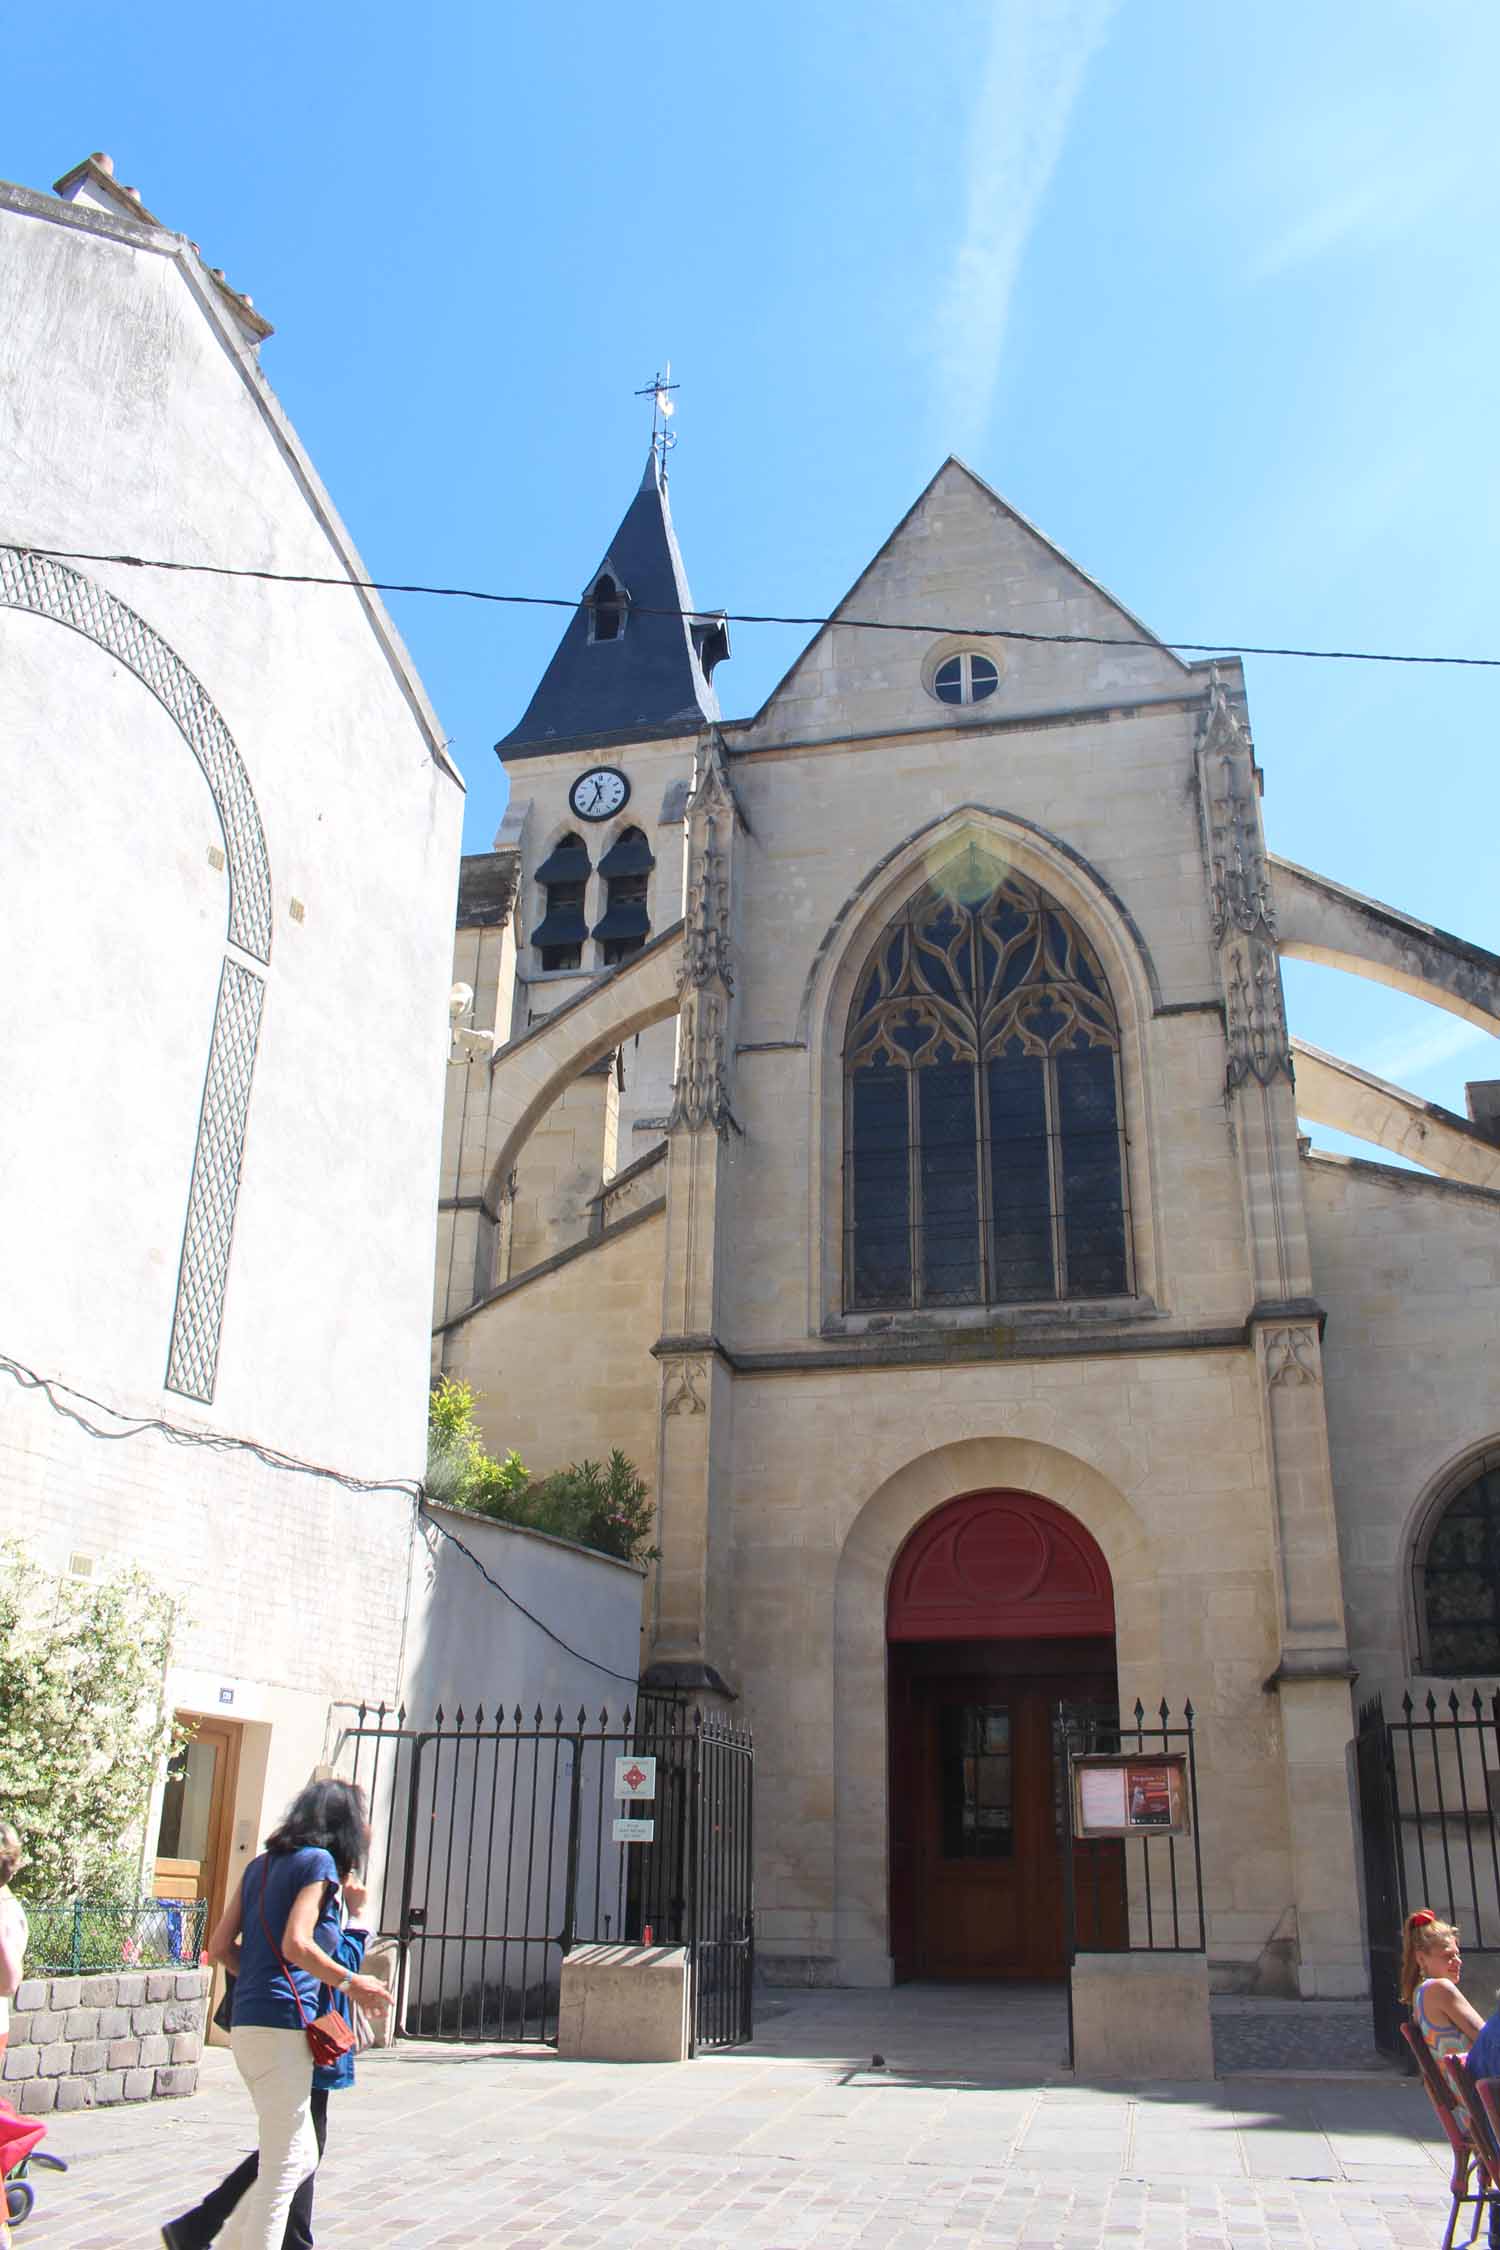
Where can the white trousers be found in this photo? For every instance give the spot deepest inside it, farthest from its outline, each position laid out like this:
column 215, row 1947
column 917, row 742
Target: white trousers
column 277, row 2068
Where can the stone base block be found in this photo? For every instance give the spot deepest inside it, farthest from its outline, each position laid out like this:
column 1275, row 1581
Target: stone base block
column 624, row 2003
column 1142, row 2015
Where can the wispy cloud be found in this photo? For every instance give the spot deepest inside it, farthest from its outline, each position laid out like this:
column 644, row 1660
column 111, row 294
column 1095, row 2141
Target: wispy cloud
column 1038, row 53
column 1427, row 1049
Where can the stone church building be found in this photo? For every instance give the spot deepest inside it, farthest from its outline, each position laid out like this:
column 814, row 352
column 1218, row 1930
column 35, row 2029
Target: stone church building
column 876, row 1116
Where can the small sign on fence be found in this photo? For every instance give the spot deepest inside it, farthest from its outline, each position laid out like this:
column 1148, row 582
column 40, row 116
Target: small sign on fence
column 635, row 1778
column 1129, row 1795
column 629, row 1831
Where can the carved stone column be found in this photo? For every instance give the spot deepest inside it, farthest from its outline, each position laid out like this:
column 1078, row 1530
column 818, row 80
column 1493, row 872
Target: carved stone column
column 1313, row 1675
column 689, row 1641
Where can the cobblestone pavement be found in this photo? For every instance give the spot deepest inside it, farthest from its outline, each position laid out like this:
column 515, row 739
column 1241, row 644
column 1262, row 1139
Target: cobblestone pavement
column 971, row 2133
column 1274, row 2035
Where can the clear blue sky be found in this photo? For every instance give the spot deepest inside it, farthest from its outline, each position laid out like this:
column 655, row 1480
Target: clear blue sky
column 1207, row 291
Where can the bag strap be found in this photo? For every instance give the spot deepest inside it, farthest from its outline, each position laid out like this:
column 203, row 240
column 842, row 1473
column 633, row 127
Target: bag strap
column 276, row 1949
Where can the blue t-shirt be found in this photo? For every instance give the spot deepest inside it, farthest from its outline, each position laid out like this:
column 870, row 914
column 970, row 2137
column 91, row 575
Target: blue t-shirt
column 1484, row 2055
column 262, row 1995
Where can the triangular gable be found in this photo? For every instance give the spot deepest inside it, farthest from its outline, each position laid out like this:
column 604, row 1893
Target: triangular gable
column 967, row 561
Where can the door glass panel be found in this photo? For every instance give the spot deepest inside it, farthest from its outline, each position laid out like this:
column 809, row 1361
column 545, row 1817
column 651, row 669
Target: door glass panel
column 187, row 1803
column 974, row 1762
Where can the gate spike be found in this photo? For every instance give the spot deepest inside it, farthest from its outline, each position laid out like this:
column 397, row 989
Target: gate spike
column 479, row 1718
column 459, row 1721
column 1478, row 1707
column 624, row 1723
column 1407, row 1705
column 361, row 1712
column 1187, row 1711
column 1140, row 1711
column 439, row 1715
column 557, row 1720
column 1431, row 1705
column 583, row 1718
column 1453, row 1701
column 401, row 1716
column 1162, row 1708
column 539, row 1715
column 518, row 1718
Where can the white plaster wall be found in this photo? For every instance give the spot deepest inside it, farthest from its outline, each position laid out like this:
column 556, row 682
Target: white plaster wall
column 133, row 419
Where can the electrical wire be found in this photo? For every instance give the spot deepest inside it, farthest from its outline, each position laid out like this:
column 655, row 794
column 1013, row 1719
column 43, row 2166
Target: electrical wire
column 990, row 632
column 70, row 1404
column 631, row 1679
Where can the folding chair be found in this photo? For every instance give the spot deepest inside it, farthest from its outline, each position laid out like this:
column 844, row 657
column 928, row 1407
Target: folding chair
column 1460, row 2140
column 1455, row 2068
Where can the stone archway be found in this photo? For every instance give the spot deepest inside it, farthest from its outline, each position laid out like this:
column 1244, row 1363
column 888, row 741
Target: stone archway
column 44, row 588
column 867, row 1568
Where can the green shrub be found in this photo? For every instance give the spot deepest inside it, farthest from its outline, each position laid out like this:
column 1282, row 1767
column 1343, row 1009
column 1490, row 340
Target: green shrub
column 606, row 1506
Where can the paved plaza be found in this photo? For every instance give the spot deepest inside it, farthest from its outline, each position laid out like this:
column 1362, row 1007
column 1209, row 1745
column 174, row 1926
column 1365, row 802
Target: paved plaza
column 971, row 2132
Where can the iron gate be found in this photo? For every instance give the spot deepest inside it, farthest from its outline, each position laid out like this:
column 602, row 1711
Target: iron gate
column 501, row 1842
column 1427, row 1787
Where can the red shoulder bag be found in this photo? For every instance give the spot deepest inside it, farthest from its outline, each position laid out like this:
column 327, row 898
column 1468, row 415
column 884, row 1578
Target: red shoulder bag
column 328, row 2036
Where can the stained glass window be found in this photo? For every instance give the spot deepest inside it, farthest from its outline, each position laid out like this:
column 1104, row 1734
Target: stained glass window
column 984, row 1143
column 1460, row 1580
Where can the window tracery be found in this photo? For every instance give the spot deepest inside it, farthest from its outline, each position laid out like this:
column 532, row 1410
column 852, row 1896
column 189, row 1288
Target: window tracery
column 1458, row 1579
column 983, row 1121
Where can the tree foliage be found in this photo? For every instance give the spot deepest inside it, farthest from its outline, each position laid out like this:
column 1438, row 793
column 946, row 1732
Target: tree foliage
column 599, row 1504
column 83, row 1727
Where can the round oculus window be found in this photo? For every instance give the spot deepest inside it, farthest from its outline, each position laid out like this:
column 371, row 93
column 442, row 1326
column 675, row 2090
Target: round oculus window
column 966, row 678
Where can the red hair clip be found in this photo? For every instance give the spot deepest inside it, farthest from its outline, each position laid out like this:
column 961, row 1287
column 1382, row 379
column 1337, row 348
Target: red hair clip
column 1420, row 1920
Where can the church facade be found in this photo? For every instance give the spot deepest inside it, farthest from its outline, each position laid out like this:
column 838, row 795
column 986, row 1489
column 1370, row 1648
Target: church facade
column 878, row 1117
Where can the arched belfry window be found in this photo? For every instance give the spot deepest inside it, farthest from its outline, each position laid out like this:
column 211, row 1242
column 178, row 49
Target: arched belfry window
column 626, row 872
column 984, row 1157
column 606, row 609
column 1458, row 1578
column 563, row 879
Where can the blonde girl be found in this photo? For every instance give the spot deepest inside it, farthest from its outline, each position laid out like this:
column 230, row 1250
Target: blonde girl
column 1431, row 1966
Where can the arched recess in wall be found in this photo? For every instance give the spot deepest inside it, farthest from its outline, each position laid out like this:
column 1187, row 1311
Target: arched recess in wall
column 44, row 588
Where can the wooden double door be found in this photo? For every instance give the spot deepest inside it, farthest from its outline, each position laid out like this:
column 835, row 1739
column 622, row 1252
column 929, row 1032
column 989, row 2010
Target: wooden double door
column 977, row 1810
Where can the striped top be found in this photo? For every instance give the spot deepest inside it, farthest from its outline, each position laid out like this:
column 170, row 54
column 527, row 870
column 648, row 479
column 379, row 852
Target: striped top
column 1441, row 2038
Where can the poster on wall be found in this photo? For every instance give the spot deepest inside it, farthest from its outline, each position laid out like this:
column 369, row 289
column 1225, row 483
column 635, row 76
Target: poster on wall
column 1130, row 1795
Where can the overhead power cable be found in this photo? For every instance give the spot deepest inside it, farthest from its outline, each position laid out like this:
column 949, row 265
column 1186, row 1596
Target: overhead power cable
column 765, row 617
column 78, row 1408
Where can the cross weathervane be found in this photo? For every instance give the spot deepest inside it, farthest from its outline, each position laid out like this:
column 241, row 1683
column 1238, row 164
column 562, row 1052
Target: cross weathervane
column 659, row 390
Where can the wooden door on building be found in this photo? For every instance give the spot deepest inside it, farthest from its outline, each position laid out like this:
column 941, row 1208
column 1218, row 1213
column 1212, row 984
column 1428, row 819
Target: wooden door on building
column 197, row 1815
column 977, row 1819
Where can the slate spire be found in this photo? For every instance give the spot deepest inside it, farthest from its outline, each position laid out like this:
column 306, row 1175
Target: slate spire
column 619, row 669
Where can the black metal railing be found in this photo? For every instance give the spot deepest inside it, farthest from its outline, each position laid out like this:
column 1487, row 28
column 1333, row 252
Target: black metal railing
column 503, row 1841
column 69, row 1936
column 1141, row 1892
column 1428, row 1781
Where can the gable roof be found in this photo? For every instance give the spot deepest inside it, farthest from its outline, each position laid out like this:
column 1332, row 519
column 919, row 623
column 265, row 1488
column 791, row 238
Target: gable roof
column 1132, row 626
column 239, row 328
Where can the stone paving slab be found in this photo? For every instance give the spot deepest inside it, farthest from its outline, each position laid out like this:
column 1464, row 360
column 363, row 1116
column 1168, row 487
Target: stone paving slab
column 794, row 2144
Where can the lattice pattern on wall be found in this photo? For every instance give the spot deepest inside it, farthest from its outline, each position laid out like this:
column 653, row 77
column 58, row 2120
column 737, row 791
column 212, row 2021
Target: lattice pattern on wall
column 50, row 589
column 214, row 1193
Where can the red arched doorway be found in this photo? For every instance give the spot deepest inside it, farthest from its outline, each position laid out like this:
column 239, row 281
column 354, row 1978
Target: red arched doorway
column 1000, row 1608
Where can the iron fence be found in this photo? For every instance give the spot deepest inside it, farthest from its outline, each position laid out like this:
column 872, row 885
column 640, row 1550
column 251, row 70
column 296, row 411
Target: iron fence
column 70, row 1936
column 1428, row 1782
column 503, row 1841
column 1143, row 1892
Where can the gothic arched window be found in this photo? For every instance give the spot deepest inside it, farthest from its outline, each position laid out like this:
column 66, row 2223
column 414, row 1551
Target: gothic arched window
column 606, row 609
column 984, row 1157
column 1458, row 1579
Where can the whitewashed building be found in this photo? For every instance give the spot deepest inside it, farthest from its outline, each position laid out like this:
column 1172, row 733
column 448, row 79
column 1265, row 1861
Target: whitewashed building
column 229, row 857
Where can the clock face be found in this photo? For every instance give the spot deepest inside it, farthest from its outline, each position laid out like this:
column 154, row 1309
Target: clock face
column 597, row 794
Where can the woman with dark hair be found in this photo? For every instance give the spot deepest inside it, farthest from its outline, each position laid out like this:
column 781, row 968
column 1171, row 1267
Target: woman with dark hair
column 280, row 1938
